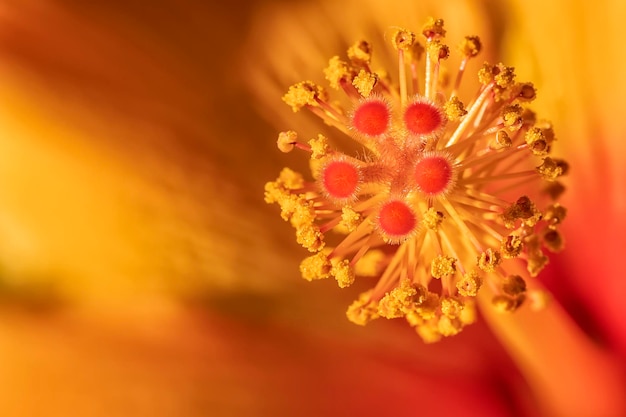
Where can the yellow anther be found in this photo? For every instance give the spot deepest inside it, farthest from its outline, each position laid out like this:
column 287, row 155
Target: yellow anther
column 414, row 319
column 503, row 140
column 315, row 267
column 427, row 309
column 527, row 92
column 403, row 39
column 363, row 310
column 442, row 265
column 449, row 327
column 350, row 219
column 336, row 71
column 275, row 192
column 514, row 286
column 432, row 219
column 536, row 141
column 555, row 214
column 287, row 141
column 486, row 73
column 290, row 179
column 454, row 109
column 342, row 271
column 523, row 209
column 504, row 304
column 468, row 314
column 451, row 307
column 429, row 333
column 400, row 300
column 319, row 147
column 504, row 77
column 360, row 53
column 470, row 46
column 434, row 28
column 303, row 213
column 310, row 237
column 489, row 260
column 511, row 246
column 550, row 169
column 512, row 116
column 437, row 50
column 469, row 284
column 365, row 82
column 536, row 259
column 302, row 94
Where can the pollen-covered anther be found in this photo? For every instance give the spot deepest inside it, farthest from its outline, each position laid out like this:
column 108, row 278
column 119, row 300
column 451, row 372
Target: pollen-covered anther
column 442, row 266
column 549, row 169
column 514, row 286
column 469, row 284
column 310, row 237
column 555, row 214
column 437, row 50
column 489, row 260
column 434, row 174
column 504, row 304
column 403, row 39
column 360, row 53
column 432, row 219
column 315, row 267
column 396, row 221
column 350, row 219
column 302, row 94
column 423, row 118
column 365, row 82
column 454, row 109
column 336, row 72
column 451, row 307
column 371, row 117
column 523, row 209
column 340, row 179
column 401, row 300
column 434, row 28
column 287, row 141
column 511, row 246
column 470, row 46
column 526, row 92
column 512, row 116
column 504, row 76
column 536, row 141
column 342, row 271
column 319, row 147
column 363, row 310
column 502, row 140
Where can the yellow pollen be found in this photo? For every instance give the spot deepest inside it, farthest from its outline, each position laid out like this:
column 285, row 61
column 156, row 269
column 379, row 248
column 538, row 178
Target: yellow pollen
column 442, row 266
column 319, row 147
column 360, row 53
column 315, row 267
column 336, row 71
column 302, row 94
column 454, row 109
column 364, row 82
column 470, row 46
column 486, row 200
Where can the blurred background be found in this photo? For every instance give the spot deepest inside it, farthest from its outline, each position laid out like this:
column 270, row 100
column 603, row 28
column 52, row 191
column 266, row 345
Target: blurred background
column 140, row 271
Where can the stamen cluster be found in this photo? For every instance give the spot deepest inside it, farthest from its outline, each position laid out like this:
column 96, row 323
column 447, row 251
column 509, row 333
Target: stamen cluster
column 445, row 195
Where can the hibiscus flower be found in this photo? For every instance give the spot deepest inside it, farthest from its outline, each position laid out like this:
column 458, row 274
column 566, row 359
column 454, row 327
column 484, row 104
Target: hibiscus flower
column 132, row 165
